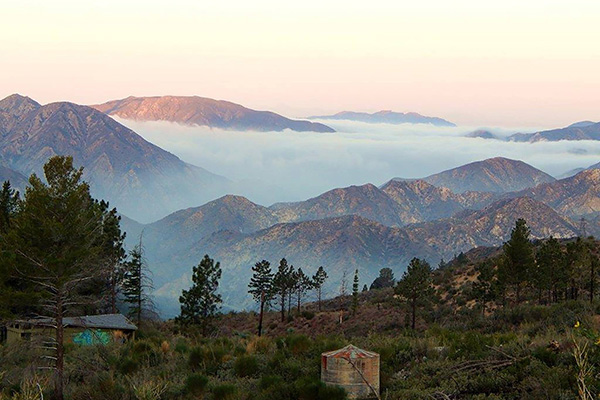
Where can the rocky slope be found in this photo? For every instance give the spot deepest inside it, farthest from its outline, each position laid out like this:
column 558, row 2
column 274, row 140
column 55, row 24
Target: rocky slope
column 386, row 116
column 367, row 201
column 141, row 179
column 194, row 110
column 498, row 175
column 349, row 242
column 576, row 196
column 17, row 180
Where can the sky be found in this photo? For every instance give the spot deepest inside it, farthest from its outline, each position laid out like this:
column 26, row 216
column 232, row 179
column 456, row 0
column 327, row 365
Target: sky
column 478, row 63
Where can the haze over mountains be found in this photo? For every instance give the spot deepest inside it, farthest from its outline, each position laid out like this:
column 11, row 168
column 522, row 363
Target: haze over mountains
column 358, row 226
column 194, row 110
column 387, row 117
column 135, row 175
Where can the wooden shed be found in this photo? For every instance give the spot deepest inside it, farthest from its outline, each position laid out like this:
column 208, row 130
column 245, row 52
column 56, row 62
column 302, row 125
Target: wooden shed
column 85, row 330
column 354, row 369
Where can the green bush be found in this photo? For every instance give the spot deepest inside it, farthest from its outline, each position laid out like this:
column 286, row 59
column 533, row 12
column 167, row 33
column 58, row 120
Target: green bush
column 196, row 384
column 245, row 366
column 224, row 392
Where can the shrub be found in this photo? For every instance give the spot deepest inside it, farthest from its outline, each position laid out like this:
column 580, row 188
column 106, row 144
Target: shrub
column 224, row 392
column 246, row 366
column 128, row 366
column 196, row 384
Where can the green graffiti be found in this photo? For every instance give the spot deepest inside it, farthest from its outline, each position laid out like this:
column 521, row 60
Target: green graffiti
column 89, row 337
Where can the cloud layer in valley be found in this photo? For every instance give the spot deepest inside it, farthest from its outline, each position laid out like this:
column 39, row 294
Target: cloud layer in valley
column 289, row 166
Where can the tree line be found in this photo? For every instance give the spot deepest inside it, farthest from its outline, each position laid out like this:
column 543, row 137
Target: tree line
column 282, row 287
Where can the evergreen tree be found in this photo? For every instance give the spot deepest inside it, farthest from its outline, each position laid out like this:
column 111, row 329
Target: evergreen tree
column 281, row 284
column 485, row 288
column 136, row 285
column 365, row 288
column 318, row 280
column 355, row 293
column 201, row 302
column 113, row 240
column 518, row 261
column 416, row 285
column 9, row 203
column 261, row 287
column 551, row 271
column 385, row 279
column 55, row 244
column 303, row 285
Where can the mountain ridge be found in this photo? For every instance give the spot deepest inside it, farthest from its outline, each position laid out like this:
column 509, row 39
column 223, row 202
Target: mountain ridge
column 203, row 111
column 386, row 116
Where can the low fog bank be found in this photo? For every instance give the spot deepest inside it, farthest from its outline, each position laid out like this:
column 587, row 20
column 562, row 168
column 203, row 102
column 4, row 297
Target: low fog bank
column 274, row 167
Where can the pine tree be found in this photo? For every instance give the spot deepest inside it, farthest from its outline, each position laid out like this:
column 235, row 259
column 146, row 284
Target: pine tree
column 281, row 284
column 201, row 302
column 485, row 288
column 365, row 288
column 55, row 244
column 551, row 270
column 113, row 240
column 261, row 287
column 318, row 280
column 384, row 280
column 136, row 285
column 9, row 203
column 303, row 285
column 355, row 293
column 416, row 285
column 518, row 261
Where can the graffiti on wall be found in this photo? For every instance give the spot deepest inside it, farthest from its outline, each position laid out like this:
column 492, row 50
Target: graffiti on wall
column 90, row 337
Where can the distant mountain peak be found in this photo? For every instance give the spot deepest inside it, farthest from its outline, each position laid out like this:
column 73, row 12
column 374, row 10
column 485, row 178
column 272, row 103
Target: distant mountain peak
column 386, row 116
column 498, row 175
column 202, row 111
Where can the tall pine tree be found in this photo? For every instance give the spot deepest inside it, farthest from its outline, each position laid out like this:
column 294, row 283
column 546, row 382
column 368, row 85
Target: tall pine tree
column 201, row 302
column 318, row 280
column 261, row 288
column 55, row 244
column 518, row 262
column 416, row 285
column 355, row 293
column 136, row 285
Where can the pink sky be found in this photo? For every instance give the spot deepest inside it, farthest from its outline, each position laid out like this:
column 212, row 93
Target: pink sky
column 472, row 62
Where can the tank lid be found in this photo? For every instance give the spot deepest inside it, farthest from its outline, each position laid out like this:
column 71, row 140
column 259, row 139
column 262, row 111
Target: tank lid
column 351, row 352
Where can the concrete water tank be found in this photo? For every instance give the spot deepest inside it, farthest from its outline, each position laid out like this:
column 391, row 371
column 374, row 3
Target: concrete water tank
column 354, row 369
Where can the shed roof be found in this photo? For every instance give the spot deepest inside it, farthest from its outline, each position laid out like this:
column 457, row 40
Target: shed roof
column 351, row 352
column 102, row 321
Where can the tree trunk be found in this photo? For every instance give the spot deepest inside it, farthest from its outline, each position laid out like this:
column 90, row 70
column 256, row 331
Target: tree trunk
column 60, row 351
column 592, row 280
column 113, row 293
column 299, row 300
column 282, row 307
column 260, row 316
column 319, row 295
column 414, row 314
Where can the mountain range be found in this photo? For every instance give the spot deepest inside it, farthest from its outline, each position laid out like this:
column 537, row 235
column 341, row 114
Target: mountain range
column 364, row 226
column 345, row 243
column 387, row 117
column 583, row 130
column 360, row 226
column 137, row 176
column 201, row 111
